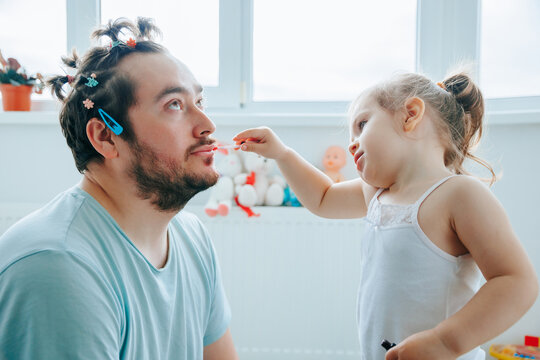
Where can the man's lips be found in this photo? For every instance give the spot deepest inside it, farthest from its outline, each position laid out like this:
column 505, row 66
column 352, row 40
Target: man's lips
column 203, row 149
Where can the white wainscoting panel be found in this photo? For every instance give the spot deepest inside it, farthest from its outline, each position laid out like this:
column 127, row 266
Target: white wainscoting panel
column 291, row 278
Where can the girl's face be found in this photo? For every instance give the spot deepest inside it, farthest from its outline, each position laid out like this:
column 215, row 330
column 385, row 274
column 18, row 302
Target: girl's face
column 377, row 148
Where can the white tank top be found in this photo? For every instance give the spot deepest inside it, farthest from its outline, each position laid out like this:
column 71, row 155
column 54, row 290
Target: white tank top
column 408, row 284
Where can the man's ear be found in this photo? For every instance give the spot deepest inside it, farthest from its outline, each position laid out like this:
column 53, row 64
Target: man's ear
column 414, row 113
column 101, row 138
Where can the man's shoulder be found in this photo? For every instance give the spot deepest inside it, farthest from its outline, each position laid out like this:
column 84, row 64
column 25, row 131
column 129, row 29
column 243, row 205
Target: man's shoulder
column 190, row 232
column 44, row 229
column 190, row 224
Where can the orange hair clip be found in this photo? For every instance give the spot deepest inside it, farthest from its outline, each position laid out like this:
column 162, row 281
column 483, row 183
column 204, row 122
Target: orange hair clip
column 131, row 43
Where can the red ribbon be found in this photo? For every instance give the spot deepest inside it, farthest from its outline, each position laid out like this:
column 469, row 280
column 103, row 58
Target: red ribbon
column 247, row 209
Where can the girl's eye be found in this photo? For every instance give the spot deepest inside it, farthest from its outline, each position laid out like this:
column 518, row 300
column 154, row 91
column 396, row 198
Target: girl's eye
column 361, row 124
column 200, row 103
column 175, row 105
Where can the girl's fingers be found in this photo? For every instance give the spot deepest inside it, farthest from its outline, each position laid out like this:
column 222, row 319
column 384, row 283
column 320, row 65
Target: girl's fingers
column 241, row 141
column 392, row 354
column 246, row 134
column 250, row 146
column 251, row 134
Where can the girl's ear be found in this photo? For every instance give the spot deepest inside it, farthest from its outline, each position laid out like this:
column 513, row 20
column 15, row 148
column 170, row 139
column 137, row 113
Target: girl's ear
column 414, row 113
column 101, row 138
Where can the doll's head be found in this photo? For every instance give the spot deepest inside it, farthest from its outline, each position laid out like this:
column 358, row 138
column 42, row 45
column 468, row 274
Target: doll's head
column 335, row 158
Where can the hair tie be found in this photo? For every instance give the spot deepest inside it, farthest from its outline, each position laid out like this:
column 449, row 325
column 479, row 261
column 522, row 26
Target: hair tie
column 442, row 86
column 114, row 43
column 131, row 43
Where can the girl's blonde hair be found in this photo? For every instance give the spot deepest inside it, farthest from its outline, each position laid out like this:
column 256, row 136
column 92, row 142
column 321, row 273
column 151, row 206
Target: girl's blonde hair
column 458, row 104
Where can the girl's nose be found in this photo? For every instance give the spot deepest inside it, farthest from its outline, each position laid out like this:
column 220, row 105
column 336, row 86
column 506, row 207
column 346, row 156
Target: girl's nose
column 353, row 147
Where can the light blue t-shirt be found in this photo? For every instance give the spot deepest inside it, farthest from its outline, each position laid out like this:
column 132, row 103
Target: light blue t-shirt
column 73, row 286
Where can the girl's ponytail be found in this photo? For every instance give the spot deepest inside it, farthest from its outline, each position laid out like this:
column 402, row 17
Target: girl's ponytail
column 466, row 135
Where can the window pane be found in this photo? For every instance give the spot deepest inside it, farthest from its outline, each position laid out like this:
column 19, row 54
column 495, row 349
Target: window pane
column 34, row 33
column 307, row 50
column 190, row 30
column 510, row 53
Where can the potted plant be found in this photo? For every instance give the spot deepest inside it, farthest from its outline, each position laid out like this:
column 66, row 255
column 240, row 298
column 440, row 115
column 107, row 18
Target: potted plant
column 16, row 86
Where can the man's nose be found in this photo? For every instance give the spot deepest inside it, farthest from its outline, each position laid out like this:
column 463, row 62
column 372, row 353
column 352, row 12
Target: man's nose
column 204, row 126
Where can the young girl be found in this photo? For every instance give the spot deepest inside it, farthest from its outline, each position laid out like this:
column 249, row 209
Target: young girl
column 431, row 231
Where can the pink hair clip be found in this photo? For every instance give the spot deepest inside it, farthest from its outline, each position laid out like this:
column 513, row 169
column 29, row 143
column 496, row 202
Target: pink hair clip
column 70, row 79
column 89, row 104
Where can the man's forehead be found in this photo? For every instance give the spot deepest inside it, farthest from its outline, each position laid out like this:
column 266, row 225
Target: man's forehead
column 157, row 73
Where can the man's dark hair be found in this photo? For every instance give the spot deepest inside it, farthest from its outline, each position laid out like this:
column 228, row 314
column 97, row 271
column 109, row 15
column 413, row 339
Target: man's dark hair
column 115, row 91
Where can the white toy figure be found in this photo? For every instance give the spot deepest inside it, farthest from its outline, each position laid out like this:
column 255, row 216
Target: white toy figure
column 222, row 193
column 258, row 186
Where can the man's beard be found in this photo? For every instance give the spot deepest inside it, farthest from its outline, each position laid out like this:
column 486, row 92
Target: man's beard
column 167, row 184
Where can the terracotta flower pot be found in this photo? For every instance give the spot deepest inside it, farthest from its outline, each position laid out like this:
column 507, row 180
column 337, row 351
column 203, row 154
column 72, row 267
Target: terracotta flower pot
column 16, row 98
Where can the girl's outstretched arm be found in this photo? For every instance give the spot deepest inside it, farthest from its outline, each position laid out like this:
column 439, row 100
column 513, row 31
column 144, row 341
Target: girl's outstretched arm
column 313, row 188
column 511, row 289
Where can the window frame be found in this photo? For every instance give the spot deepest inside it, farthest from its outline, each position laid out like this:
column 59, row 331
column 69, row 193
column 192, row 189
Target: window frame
column 440, row 44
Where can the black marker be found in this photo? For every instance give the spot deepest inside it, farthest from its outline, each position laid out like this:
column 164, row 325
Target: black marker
column 387, row 344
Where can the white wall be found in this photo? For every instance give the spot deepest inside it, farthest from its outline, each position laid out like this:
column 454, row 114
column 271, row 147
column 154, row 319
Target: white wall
column 36, row 164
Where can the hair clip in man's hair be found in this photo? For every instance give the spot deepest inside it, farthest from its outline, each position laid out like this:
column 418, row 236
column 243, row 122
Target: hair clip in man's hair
column 114, row 43
column 89, row 104
column 131, row 43
column 111, row 123
column 91, row 81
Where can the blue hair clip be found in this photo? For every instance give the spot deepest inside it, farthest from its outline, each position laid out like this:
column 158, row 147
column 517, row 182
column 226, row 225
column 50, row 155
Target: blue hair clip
column 111, row 123
column 115, row 43
column 91, row 80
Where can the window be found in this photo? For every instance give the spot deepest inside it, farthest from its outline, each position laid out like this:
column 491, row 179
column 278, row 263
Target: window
column 306, row 50
column 303, row 55
column 35, row 35
column 509, row 58
column 190, row 30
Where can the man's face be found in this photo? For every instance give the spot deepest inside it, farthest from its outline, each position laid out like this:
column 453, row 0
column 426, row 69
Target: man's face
column 172, row 157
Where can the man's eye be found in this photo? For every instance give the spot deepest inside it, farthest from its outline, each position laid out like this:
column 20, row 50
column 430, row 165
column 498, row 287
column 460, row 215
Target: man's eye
column 200, row 103
column 175, row 105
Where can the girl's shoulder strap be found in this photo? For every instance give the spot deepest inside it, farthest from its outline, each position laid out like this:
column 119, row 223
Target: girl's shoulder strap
column 432, row 188
column 375, row 197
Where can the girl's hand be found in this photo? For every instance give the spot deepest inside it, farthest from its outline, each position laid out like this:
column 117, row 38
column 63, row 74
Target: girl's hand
column 263, row 141
column 425, row 345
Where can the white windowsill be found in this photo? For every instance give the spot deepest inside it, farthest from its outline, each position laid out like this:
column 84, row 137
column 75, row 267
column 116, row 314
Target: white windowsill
column 266, row 213
column 510, row 117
